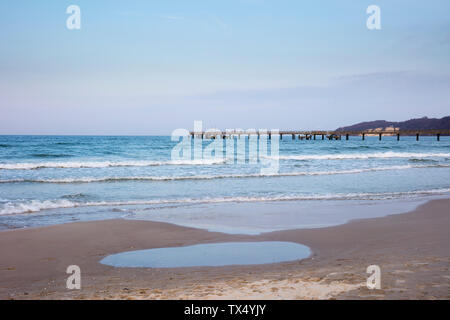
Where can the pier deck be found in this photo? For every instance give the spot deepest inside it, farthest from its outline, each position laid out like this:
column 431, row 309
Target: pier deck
column 319, row 134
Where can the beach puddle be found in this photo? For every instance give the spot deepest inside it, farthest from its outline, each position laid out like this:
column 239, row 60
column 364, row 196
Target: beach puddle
column 212, row 254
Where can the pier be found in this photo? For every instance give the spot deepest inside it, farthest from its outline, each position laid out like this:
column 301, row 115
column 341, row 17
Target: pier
column 318, row 134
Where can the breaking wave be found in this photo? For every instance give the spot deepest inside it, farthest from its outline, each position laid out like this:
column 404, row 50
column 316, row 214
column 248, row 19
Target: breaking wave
column 104, row 164
column 378, row 155
column 33, row 206
column 222, row 176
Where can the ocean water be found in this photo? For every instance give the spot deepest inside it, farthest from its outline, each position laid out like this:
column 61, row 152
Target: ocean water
column 47, row 180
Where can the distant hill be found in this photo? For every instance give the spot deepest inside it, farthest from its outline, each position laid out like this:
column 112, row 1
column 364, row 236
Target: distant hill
column 413, row 124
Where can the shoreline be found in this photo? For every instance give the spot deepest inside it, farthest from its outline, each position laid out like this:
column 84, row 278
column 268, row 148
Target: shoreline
column 410, row 248
column 248, row 217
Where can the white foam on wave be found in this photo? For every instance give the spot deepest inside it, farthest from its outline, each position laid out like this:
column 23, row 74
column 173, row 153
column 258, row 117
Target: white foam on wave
column 105, row 164
column 376, row 155
column 34, row 206
column 221, row 176
column 37, row 205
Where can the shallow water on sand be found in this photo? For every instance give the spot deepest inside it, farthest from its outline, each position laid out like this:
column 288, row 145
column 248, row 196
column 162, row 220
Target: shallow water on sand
column 259, row 217
column 213, row 254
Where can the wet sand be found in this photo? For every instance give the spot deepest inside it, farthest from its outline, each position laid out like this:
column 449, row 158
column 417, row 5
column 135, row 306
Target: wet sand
column 412, row 250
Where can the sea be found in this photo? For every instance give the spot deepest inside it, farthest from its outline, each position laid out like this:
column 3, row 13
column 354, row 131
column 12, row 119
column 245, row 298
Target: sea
column 49, row 180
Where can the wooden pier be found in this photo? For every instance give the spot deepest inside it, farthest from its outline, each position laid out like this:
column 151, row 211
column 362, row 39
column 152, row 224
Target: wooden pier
column 318, row 135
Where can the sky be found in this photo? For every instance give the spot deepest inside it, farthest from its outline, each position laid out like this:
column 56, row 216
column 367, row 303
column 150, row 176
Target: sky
column 149, row 67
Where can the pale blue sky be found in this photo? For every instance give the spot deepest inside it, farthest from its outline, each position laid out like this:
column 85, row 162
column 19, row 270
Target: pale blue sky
column 149, row 67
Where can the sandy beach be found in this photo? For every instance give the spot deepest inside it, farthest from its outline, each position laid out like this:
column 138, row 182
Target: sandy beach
column 411, row 250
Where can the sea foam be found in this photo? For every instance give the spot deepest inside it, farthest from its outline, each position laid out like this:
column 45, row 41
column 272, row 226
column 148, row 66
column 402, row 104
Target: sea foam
column 363, row 156
column 32, row 206
column 220, row 176
column 105, row 164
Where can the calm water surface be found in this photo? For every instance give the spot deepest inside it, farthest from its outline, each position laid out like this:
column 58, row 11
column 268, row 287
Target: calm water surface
column 211, row 255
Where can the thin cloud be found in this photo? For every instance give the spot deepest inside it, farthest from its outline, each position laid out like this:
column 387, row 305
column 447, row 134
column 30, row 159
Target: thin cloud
column 172, row 17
